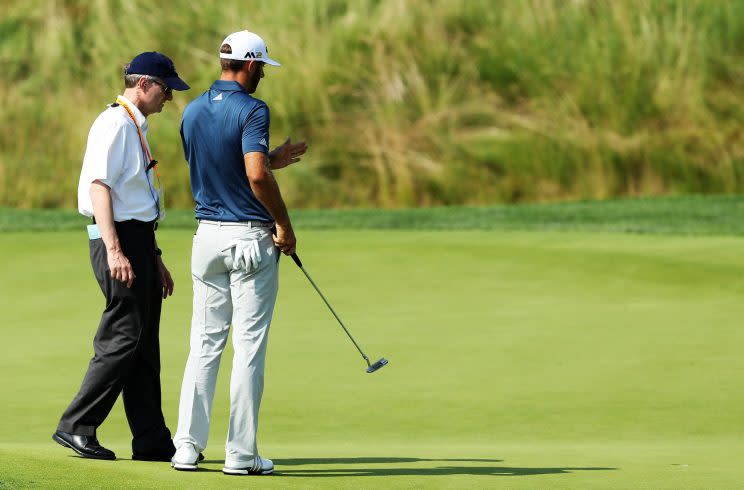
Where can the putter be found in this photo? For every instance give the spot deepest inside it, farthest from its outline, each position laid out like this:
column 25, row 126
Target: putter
column 371, row 368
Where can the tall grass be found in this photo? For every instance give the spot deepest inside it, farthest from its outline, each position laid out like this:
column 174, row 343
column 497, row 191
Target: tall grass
column 403, row 102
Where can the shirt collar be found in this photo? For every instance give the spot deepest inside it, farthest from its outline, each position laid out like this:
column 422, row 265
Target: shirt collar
column 138, row 116
column 227, row 86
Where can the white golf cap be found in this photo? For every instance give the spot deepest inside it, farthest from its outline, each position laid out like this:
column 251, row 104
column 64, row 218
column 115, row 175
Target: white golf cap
column 247, row 46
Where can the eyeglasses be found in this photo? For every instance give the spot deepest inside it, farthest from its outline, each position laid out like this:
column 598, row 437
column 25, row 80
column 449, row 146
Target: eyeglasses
column 166, row 89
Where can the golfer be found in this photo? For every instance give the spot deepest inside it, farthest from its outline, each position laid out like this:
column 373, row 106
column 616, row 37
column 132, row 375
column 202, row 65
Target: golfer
column 117, row 190
column 234, row 262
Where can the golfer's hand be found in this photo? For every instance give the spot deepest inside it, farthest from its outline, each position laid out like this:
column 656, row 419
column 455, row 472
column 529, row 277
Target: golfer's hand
column 287, row 154
column 285, row 239
column 165, row 278
column 120, row 268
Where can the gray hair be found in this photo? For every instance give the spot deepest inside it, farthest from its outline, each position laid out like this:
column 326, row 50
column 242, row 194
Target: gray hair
column 131, row 79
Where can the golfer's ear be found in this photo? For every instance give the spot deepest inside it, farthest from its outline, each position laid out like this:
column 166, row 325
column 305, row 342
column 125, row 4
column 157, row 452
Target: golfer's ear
column 142, row 82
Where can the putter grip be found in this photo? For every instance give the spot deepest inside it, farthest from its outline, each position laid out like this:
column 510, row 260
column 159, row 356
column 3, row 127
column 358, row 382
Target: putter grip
column 297, row 260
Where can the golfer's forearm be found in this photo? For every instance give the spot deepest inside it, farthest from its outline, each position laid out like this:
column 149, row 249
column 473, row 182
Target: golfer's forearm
column 103, row 211
column 264, row 186
column 267, row 192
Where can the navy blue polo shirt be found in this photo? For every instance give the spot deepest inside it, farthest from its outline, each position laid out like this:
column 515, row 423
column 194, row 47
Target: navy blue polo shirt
column 217, row 129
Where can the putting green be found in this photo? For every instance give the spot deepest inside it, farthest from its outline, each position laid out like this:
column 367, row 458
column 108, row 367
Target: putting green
column 517, row 359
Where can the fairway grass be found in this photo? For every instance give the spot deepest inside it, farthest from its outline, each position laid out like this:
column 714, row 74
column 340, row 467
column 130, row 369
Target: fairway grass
column 519, row 359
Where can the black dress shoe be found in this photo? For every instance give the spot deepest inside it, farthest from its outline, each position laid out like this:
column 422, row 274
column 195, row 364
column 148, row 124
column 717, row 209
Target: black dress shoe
column 85, row 446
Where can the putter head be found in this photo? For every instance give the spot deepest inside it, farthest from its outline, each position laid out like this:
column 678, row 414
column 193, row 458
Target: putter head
column 374, row 367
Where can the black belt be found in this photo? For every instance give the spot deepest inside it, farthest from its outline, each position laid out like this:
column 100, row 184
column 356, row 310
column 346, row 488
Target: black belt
column 146, row 225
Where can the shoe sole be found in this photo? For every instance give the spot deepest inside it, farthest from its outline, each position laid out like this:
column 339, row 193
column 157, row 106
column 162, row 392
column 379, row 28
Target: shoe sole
column 232, row 472
column 64, row 443
column 184, row 466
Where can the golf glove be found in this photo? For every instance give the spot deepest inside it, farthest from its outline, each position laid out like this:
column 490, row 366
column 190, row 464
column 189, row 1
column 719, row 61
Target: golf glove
column 247, row 255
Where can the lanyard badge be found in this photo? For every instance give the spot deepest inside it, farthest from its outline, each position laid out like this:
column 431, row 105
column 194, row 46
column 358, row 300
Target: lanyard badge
column 157, row 194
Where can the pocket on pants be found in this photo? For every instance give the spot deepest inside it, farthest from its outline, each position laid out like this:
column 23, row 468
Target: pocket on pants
column 200, row 255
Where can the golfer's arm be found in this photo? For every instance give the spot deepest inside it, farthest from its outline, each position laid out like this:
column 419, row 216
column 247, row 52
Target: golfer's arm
column 264, row 186
column 103, row 211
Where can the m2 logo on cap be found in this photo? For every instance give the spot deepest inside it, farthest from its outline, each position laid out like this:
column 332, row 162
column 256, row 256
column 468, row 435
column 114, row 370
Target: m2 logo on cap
column 253, row 55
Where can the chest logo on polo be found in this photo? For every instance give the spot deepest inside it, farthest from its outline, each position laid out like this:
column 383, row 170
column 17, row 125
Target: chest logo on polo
column 219, row 96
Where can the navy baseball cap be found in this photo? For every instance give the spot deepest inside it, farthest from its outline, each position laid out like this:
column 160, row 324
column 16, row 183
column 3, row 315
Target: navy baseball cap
column 156, row 65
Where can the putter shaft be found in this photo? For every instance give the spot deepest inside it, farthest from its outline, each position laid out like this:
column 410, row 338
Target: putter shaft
column 299, row 264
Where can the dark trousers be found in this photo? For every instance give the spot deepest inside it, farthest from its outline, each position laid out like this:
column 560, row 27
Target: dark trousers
column 126, row 347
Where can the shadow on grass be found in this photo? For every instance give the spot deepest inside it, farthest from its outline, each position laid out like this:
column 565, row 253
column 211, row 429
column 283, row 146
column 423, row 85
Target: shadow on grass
column 305, row 461
column 447, row 470
column 376, row 460
column 436, row 471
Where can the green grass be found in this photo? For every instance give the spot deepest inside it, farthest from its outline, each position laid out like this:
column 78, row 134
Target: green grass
column 518, row 359
column 443, row 102
column 684, row 215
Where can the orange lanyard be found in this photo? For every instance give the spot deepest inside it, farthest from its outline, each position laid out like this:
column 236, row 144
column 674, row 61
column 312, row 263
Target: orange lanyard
column 150, row 161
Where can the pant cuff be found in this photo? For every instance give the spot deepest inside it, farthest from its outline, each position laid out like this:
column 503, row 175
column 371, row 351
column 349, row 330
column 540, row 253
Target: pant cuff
column 234, row 463
column 77, row 430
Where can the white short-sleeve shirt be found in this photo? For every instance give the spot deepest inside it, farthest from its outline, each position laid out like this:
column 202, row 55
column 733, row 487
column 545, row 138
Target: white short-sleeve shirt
column 114, row 155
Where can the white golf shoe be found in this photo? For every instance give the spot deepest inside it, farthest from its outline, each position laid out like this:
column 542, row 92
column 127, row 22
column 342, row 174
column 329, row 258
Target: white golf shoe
column 186, row 458
column 261, row 466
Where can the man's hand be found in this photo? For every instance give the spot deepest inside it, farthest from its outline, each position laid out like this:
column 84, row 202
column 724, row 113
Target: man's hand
column 285, row 239
column 118, row 263
column 286, row 154
column 121, row 269
column 165, row 278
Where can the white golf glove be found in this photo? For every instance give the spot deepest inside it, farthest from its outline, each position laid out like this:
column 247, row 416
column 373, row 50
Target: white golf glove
column 247, row 255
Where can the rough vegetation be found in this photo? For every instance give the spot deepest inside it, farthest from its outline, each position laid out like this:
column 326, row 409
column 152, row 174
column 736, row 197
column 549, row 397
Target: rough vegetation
column 406, row 103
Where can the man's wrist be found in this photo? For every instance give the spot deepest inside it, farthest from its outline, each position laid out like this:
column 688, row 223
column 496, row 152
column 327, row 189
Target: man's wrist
column 115, row 248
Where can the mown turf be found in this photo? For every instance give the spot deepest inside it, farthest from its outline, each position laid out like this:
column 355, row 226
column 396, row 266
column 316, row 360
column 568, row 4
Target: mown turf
column 517, row 360
column 674, row 215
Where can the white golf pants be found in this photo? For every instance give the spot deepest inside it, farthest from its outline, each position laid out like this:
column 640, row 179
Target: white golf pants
column 228, row 291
